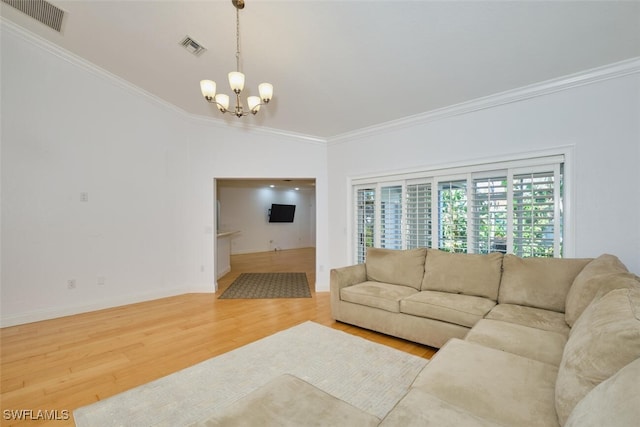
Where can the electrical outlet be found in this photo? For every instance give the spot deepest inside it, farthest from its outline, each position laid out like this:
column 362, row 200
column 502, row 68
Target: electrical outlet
column 101, row 281
column 71, row 284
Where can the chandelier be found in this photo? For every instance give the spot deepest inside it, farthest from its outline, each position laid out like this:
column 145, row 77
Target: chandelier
column 236, row 81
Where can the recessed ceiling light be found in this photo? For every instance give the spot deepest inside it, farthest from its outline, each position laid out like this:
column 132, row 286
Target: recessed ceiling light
column 272, row 186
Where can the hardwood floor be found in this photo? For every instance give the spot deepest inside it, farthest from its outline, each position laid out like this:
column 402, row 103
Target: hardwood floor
column 62, row 364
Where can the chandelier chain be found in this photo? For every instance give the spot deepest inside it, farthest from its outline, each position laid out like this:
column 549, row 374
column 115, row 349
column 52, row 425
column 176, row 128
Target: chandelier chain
column 238, row 39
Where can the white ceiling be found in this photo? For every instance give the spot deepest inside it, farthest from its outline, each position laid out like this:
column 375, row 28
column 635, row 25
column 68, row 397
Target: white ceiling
column 340, row 66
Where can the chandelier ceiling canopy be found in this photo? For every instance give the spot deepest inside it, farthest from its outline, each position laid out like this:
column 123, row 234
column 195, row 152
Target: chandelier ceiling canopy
column 236, row 81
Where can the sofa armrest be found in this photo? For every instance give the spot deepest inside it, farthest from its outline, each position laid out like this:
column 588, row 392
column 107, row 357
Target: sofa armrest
column 341, row 278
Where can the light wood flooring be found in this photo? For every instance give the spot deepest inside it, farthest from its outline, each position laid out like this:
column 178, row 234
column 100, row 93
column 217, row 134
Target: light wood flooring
column 62, row 364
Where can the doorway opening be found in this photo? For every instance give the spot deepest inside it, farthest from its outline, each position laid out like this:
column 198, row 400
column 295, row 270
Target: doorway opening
column 245, row 228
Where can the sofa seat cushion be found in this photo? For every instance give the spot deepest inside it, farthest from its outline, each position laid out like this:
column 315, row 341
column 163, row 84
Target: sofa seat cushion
column 384, row 296
column 603, row 274
column 469, row 274
column 402, row 267
column 421, row 409
column 534, row 343
column 604, row 339
column 290, row 401
column 460, row 309
column 614, row 402
column 494, row 385
column 529, row 316
column 538, row 282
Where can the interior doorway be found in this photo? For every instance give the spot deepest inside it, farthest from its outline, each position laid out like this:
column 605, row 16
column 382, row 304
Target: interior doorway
column 244, row 224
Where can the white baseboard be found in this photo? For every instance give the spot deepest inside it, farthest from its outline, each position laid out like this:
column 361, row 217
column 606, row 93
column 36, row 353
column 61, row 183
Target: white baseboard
column 223, row 272
column 53, row 313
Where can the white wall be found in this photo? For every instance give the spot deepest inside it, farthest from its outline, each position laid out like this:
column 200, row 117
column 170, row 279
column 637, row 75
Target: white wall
column 148, row 169
column 601, row 120
column 245, row 209
column 67, row 131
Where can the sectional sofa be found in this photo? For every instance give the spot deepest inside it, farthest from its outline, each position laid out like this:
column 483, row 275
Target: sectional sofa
column 523, row 341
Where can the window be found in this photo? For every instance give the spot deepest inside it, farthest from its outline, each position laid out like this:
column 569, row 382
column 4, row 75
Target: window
column 452, row 218
column 534, row 214
column 510, row 207
column 418, row 219
column 489, row 214
column 365, row 219
column 391, row 217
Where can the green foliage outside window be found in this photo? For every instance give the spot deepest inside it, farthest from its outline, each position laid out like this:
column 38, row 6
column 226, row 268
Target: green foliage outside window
column 453, row 217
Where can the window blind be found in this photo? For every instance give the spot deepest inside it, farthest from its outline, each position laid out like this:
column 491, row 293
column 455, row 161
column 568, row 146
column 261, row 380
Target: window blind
column 391, row 217
column 418, row 215
column 365, row 221
column 516, row 207
column 534, row 214
column 489, row 209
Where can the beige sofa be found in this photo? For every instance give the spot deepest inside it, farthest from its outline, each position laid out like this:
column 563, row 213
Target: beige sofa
column 525, row 341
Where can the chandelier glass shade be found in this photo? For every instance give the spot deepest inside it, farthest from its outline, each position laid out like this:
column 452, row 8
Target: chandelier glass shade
column 236, row 82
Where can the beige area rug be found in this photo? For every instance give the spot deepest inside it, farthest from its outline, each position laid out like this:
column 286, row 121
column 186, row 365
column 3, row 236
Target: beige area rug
column 268, row 285
column 367, row 375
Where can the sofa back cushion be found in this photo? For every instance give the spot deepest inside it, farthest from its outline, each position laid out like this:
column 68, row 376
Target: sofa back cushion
column 538, row 282
column 468, row 274
column 399, row 267
column 603, row 274
column 602, row 341
column 613, row 402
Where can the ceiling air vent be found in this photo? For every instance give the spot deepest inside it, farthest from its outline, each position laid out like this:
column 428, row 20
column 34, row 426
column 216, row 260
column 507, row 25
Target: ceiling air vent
column 191, row 45
column 40, row 10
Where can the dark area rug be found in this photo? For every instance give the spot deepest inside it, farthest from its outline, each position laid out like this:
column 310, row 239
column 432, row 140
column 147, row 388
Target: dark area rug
column 268, row 285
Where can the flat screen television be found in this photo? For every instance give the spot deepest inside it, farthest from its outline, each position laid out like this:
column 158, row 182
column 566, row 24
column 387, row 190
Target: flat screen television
column 281, row 213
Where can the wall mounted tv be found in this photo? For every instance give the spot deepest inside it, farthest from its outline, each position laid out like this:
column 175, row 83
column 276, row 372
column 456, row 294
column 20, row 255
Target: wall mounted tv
column 281, row 213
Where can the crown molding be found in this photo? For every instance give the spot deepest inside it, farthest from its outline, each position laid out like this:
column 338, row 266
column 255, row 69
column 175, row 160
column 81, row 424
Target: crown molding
column 95, row 70
column 595, row 75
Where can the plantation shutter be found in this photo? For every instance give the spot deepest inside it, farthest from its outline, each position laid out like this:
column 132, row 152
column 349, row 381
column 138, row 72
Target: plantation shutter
column 536, row 213
column 365, row 221
column 514, row 206
column 391, row 217
column 418, row 220
column 489, row 210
